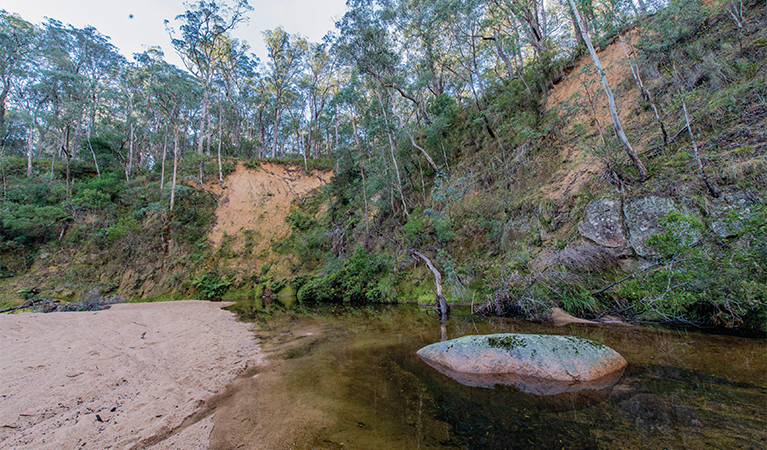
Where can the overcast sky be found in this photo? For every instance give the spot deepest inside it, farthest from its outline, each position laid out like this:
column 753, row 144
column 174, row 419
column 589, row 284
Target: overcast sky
column 134, row 25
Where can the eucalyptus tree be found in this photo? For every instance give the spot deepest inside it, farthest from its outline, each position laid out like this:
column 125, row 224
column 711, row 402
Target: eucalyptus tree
column 286, row 61
column 320, row 81
column 19, row 45
column 77, row 64
column 237, row 78
column 531, row 15
column 18, row 39
column 202, row 46
column 172, row 90
column 617, row 125
column 129, row 94
column 351, row 101
column 31, row 101
column 379, row 41
column 368, row 40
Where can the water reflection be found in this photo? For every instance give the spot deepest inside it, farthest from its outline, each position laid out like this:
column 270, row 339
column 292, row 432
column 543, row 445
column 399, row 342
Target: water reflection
column 355, row 382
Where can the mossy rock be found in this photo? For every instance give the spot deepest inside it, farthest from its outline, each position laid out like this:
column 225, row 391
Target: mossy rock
column 541, row 364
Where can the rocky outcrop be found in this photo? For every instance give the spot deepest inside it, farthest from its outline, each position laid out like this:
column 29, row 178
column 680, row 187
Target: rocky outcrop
column 627, row 224
column 603, row 223
column 719, row 210
column 539, row 364
column 642, row 216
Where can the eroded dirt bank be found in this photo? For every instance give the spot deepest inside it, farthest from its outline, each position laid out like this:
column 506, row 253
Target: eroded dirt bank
column 129, row 377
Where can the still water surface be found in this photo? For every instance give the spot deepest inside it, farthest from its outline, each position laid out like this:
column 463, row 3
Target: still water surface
column 350, row 379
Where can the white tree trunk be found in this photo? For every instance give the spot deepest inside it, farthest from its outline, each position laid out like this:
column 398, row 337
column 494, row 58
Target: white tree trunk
column 610, row 98
column 162, row 168
column 29, row 151
column 220, row 137
column 202, row 120
column 175, row 168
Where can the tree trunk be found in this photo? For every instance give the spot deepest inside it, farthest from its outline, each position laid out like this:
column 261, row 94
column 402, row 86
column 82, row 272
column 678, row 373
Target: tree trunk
column 412, row 141
column 711, row 189
column 128, row 167
column 502, row 54
column 441, row 304
column 643, row 175
column 175, row 168
column 202, row 119
column 275, row 129
column 394, row 159
column 362, row 173
column 645, row 92
column 65, row 150
column 162, row 169
column 95, row 161
column 208, row 133
column 29, row 151
column 3, row 96
column 220, row 137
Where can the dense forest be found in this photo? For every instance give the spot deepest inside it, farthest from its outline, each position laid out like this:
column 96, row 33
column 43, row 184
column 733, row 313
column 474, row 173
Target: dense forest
column 437, row 119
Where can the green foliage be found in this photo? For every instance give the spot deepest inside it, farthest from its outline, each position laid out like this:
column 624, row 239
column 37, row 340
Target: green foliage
column 681, row 234
column 677, row 21
column 361, row 279
column 29, row 224
column 581, row 303
column 193, row 215
column 300, row 221
column 277, row 286
column 705, row 282
column 443, row 229
column 414, row 230
column 444, row 112
column 124, row 226
column 212, row 285
column 107, row 149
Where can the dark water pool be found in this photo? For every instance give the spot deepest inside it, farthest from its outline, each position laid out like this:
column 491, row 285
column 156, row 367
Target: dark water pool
column 352, row 380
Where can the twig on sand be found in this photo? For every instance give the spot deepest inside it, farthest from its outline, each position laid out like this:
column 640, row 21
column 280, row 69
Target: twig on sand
column 28, row 304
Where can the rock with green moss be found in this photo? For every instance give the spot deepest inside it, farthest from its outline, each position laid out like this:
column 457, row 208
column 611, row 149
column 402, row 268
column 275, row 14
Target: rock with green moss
column 540, row 364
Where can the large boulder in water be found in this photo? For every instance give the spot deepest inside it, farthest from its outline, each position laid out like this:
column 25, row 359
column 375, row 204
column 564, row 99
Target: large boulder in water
column 539, row 364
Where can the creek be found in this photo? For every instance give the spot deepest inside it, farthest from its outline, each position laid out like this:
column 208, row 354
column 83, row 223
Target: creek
column 341, row 378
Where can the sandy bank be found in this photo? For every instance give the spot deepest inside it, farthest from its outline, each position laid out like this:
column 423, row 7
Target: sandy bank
column 124, row 378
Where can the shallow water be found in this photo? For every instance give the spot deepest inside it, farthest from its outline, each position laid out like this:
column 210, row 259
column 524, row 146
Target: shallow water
column 351, row 379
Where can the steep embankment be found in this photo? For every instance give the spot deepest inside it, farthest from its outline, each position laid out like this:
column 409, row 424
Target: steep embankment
column 252, row 211
column 580, row 97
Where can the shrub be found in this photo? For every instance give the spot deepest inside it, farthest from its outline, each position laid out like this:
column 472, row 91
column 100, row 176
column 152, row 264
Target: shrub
column 212, row 285
column 703, row 280
column 362, row 279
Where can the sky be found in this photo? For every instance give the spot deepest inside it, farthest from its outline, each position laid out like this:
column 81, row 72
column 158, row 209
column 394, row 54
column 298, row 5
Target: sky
column 134, row 25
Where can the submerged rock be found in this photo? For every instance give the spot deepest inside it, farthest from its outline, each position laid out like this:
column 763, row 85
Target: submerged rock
column 539, row 364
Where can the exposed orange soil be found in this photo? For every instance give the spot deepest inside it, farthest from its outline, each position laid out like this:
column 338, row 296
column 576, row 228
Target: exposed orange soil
column 257, row 202
column 578, row 163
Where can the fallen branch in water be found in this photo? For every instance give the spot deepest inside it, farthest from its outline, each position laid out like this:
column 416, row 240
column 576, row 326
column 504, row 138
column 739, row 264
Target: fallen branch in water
column 442, row 308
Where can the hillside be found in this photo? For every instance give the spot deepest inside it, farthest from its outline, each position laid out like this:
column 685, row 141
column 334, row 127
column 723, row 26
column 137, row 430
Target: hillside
column 521, row 195
column 252, row 212
column 229, row 229
column 560, row 219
